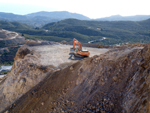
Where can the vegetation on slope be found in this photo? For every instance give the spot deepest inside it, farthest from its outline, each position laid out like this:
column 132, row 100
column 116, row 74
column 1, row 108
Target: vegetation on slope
column 13, row 26
column 7, row 58
column 115, row 32
column 39, row 19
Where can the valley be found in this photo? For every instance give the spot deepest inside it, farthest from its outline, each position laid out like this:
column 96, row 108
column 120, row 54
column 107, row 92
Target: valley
column 115, row 32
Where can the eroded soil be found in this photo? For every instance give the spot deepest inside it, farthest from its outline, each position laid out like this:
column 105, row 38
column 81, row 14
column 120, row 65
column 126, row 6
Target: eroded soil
column 115, row 82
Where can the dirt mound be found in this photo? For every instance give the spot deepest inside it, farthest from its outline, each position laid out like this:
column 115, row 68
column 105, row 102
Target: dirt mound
column 115, row 82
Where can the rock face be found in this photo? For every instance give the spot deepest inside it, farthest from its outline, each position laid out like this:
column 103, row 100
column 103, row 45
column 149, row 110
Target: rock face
column 25, row 74
column 115, row 82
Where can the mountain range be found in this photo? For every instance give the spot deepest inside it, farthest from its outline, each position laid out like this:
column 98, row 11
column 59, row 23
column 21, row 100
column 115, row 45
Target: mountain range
column 125, row 18
column 115, row 32
column 39, row 19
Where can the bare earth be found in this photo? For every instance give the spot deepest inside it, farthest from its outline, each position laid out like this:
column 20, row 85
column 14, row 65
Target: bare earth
column 117, row 81
column 7, row 35
column 59, row 54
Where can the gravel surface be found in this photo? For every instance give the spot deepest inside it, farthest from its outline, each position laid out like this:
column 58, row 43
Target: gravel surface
column 59, row 55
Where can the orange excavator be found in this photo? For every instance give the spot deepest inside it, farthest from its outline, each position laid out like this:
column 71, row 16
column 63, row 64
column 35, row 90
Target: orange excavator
column 79, row 52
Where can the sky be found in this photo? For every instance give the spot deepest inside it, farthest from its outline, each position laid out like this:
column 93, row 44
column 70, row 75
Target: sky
column 90, row 8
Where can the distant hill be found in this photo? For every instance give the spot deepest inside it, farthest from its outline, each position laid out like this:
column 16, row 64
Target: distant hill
column 125, row 18
column 38, row 19
column 41, row 18
column 13, row 26
column 102, row 32
column 10, row 16
column 114, row 31
column 58, row 15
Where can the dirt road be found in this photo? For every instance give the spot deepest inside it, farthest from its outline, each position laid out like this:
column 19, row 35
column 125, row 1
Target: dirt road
column 8, row 35
column 59, row 55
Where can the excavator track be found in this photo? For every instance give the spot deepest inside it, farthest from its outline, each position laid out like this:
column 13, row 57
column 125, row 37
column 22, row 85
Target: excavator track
column 77, row 55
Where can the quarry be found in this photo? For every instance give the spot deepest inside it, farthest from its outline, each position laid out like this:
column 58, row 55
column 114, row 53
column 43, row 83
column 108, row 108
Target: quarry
column 50, row 79
column 63, row 62
column 47, row 77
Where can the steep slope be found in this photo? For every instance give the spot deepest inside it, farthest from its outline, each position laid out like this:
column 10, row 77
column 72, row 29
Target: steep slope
column 117, row 81
column 24, row 75
column 33, row 64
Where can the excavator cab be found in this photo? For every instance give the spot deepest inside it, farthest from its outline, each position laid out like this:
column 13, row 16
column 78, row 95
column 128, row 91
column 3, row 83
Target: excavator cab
column 79, row 51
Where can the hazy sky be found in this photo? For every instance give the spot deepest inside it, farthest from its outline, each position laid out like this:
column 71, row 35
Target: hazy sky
column 89, row 8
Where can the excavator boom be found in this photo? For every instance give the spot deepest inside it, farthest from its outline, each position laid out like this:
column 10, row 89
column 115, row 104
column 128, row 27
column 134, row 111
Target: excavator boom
column 76, row 42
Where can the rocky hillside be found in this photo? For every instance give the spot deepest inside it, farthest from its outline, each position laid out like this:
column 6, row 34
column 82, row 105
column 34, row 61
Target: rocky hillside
column 10, row 38
column 114, row 82
column 9, row 43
